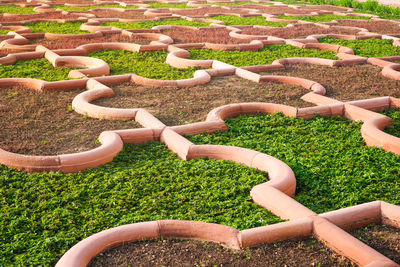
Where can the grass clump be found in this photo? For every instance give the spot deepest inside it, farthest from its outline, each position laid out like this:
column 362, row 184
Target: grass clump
column 45, row 214
column 146, row 24
column 395, row 115
column 69, row 27
column 259, row 20
column 262, row 57
column 323, row 18
column 368, row 47
column 333, row 166
column 86, row 8
column 11, row 9
column 37, row 69
column 146, row 64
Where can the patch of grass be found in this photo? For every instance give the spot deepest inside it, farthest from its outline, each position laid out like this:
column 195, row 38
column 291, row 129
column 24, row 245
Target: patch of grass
column 264, row 56
column 151, row 23
column 333, row 166
column 260, row 20
column 166, row 5
column 4, row 31
column 395, row 115
column 69, row 27
column 146, row 64
column 16, row 9
column 37, row 68
column 368, row 47
column 323, row 18
column 86, row 8
column 241, row 3
column 45, row 214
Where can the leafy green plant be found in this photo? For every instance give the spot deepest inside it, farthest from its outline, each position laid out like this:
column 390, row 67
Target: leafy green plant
column 45, row 214
column 69, row 27
column 16, row 9
column 4, row 31
column 368, row 47
column 37, row 68
column 323, row 18
column 395, row 115
column 264, row 56
column 85, row 8
column 259, row 20
column 146, row 24
column 146, row 64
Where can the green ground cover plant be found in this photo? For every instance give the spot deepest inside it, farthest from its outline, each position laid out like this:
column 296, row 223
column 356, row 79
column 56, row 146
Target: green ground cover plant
column 259, row 20
column 370, row 6
column 165, row 5
column 333, row 166
column 264, row 56
column 395, row 115
column 322, row 18
column 69, row 27
column 86, row 8
column 146, row 64
column 368, row 47
column 45, row 214
column 37, row 68
column 4, row 31
column 16, row 9
column 151, row 23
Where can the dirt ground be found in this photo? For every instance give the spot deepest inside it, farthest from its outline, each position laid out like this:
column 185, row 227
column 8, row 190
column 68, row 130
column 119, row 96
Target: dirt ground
column 173, row 252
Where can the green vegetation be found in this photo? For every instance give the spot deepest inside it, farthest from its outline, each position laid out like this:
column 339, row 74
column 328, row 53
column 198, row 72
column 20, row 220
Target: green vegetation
column 86, row 8
column 146, row 64
column 259, row 20
column 4, row 31
column 323, row 18
column 395, row 115
column 368, row 47
column 370, row 6
column 45, row 214
column 241, row 3
column 165, row 5
column 37, row 68
column 264, row 56
column 333, row 166
column 151, row 23
column 16, row 9
column 69, row 27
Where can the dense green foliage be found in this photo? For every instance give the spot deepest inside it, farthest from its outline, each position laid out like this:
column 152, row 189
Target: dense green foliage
column 166, row 5
column 11, row 9
column 370, row 6
column 264, row 56
column 85, row 8
column 45, row 214
column 37, row 68
column 4, row 31
column 69, row 27
column 368, row 47
column 259, row 20
column 395, row 115
column 323, row 18
column 146, row 64
column 146, row 24
column 333, row 166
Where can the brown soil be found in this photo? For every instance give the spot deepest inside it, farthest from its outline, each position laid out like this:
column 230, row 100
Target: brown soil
column 44, row 124
column 301, row 31
column 123, row 15
column 58, row 2
column 75, row 42
column 324, row 7
column 372, row 26
column 217, row 35
column 176, row 106
column 173, row 252
column 384, row 239
column 272, row 10
column 206, row 10
column 347, row 83
column 25, row 17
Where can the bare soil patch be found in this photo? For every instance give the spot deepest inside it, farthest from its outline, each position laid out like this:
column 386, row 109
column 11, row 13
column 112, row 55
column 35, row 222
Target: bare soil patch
column 207, row 10
column 324, row 7
column 299, row 31
column 275, row 10
column 347, row 83
column 217, row 35
column 383, row 238
column 173, row 252
column 134, row 14
column 47, row 16
column 384, row 27
column 44, row 123
column 176, row 106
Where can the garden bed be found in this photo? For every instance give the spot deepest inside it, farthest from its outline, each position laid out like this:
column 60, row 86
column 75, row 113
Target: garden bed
column 383, row 27
column 173, row 252
column 132, row 14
